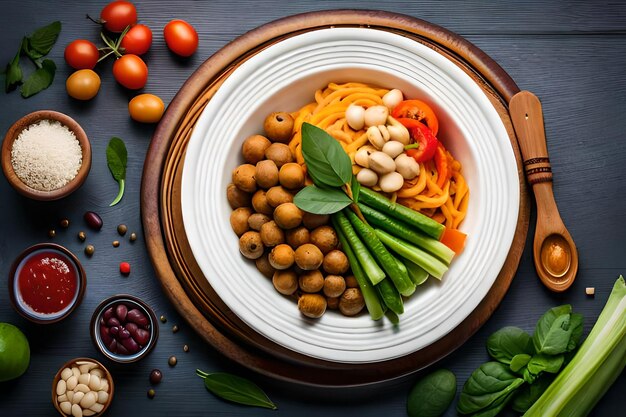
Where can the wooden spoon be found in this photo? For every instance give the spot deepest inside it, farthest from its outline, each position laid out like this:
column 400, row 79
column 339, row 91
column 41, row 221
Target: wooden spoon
column 554, row 251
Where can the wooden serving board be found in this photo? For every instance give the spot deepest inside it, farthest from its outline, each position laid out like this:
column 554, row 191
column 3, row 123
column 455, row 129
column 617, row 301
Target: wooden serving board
column 177, row 270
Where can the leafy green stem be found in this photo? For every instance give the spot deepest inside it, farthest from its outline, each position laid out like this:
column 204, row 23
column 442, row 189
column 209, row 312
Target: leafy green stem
column 120, row 193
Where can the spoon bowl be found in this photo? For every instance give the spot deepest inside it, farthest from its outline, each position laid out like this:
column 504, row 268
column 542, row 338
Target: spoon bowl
column 554, row 251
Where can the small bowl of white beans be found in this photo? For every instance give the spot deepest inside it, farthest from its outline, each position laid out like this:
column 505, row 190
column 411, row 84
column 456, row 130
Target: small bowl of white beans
column 46, row 155
column 82, row 387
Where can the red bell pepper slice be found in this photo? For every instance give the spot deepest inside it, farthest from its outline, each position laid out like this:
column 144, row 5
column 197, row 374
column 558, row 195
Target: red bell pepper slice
column 416, row 110
column 425, row 144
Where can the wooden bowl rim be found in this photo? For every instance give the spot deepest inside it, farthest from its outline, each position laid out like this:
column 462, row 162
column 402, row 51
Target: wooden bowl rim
column 82, row 280
column 68, row 364
column 12, row 134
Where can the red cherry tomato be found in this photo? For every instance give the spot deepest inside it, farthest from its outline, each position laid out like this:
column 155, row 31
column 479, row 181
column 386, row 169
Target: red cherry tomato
column 181, row 37
column 417, row 110
column 81, row 54
column 130, row 71
column 117, row 15
column 426, row 143
column 137, row 40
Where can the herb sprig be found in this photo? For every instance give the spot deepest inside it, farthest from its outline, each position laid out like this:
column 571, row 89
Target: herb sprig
column 117, row 158
column 236, row 389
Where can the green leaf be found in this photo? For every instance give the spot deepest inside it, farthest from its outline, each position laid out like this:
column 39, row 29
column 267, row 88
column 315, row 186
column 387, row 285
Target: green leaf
column 506, row 343
column 489, row 385
column 43, row 39
column 519, row 361
column 117, row 158
column 432, row 395
column 39, row 80
column 528, row 394
column 327, row 163
column 318, row 200
column 31, row 53
column 236, row 389
column 576, row 324
column 553, row 331
column 356, row 189
column 13, row 73
column 545, row 363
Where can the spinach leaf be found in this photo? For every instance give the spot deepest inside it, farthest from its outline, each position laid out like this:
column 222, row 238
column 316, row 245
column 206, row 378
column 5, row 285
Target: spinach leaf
column 528, row 394
column 576, row 324
column 553, row 331
column 497, row 406
column 432, row 395
column 39, row 80
column 319, row 200
column 13, row 74
column 491, row 382
column 236, row 389
column 327, row 163
column 519, row 361
column 508, row 342
column 117, row 158
column 33, row 54
column 44, row 38
column 545, row 363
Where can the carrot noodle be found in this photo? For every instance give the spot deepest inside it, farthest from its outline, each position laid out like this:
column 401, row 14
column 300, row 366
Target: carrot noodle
column 446, row 204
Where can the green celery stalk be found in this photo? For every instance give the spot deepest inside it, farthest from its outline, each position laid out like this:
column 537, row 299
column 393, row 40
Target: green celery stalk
column 596, row 365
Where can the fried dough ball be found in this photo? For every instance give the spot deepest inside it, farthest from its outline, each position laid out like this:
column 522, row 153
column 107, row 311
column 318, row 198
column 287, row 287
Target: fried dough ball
column 297, row 237
column 244, row 177
column 285, row 282
column 288, row 216
column 260, row 203
column 236, row 197
column 281, row 257
column 291, row 175
column 312, row 305
column 351, row 302
column 309, row 257
column 250, row 245
column 325, row 238
column 239, row 220
column 279, row 153
column 271, row 234
column 254, row 147
column 311, row 281
column 334, row 286
column 278, row 195
column 335, row 262
column 266, row 174
column 279, row 126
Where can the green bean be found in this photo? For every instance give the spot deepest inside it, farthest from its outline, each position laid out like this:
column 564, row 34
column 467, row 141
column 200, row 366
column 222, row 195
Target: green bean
column 417, row 274
column 390, row 295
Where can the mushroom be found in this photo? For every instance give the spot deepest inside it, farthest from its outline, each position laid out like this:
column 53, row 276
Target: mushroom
column 392, row 98
column 355, row 116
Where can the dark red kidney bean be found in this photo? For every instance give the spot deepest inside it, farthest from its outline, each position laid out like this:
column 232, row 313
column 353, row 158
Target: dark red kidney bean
column 124, row 334
column 114, row 330
column 105, row 335
column 132, row 328
column 108, row 313
column 137, row 317
column 120, row 312
column 93, row 220
column 142, row 337
column 113, row 322
column 121, row 349
column 113, row 346
column 131, row 345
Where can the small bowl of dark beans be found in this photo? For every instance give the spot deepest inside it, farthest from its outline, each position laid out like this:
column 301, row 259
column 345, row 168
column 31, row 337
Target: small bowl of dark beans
column 124, row 328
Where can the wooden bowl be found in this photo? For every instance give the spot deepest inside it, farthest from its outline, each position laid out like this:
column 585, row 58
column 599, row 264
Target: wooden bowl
column 71, row 363
column 14, row 132
column 81, row 285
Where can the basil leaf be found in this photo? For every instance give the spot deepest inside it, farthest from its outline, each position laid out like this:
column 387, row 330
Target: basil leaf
column 117, row 158
column 528, row 394
column 576, row 324
column 356, row 189
column 13, row 74
column 327, row 163
column 39, row 80
column 236, row 389
column 545, row 363
column 43, row 39
column 489, row 385
column 31, row 53
column 432, row 395
column 506, row 343
column 553, row 331
column 519, row 361
column 318, row 200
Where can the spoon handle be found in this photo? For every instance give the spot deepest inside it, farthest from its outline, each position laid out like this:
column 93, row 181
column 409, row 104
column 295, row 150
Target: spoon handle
column 527, row 117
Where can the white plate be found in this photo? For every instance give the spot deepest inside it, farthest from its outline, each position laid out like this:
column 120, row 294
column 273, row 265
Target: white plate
column 285, row 77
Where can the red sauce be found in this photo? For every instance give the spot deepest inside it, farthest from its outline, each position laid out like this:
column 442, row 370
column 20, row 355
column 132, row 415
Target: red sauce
column 47, row 281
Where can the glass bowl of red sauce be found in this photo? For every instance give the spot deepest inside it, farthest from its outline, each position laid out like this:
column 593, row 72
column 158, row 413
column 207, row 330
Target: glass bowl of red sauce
column 46, row 283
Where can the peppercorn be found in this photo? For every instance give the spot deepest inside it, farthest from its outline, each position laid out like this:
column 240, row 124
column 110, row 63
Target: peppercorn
column 89, row 250
column 122, row 229
column 151, row 393
column 124, row 268
column 186, row 348
column 52, row 233
column 163, row 319
column 172, row 361
column 116, row 243
column 64, row 223
column 174, row 328
column 82, row 236
column 155, row 376
column 133, row 237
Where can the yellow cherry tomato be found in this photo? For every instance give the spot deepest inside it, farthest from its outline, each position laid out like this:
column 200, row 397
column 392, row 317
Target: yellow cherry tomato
column 146, row 108
column 83, row 84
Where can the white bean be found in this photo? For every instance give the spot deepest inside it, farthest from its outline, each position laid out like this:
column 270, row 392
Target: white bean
column 367, row 177
column 66, row 407
column 98, row 372
column 77, row 411
column 381, row 163
column 72, row 382
column 103, row 396
column 62, row 398
column 393, row 148
column 362, row 156
column 97, row 407
column 89, row 399
column 392, row 98
column 94, row 382
column 355, row 116
column 84, row 378
column 375, row 137
column 398, row 131
column 376, row 115
column 75, row 371
column 407, row 166
column 66, row 373
column 78, row 396
column 70, row 395
column 391, row 182
column 104, row 385
column 61, row 387
column 88, row 413
column 82, row 388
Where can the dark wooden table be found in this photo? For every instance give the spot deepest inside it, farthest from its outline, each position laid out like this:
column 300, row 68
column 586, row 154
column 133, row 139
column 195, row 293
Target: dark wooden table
column 571, row 54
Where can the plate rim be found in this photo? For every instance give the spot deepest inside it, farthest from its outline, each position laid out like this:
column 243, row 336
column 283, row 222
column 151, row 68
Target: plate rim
column 497, row 83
